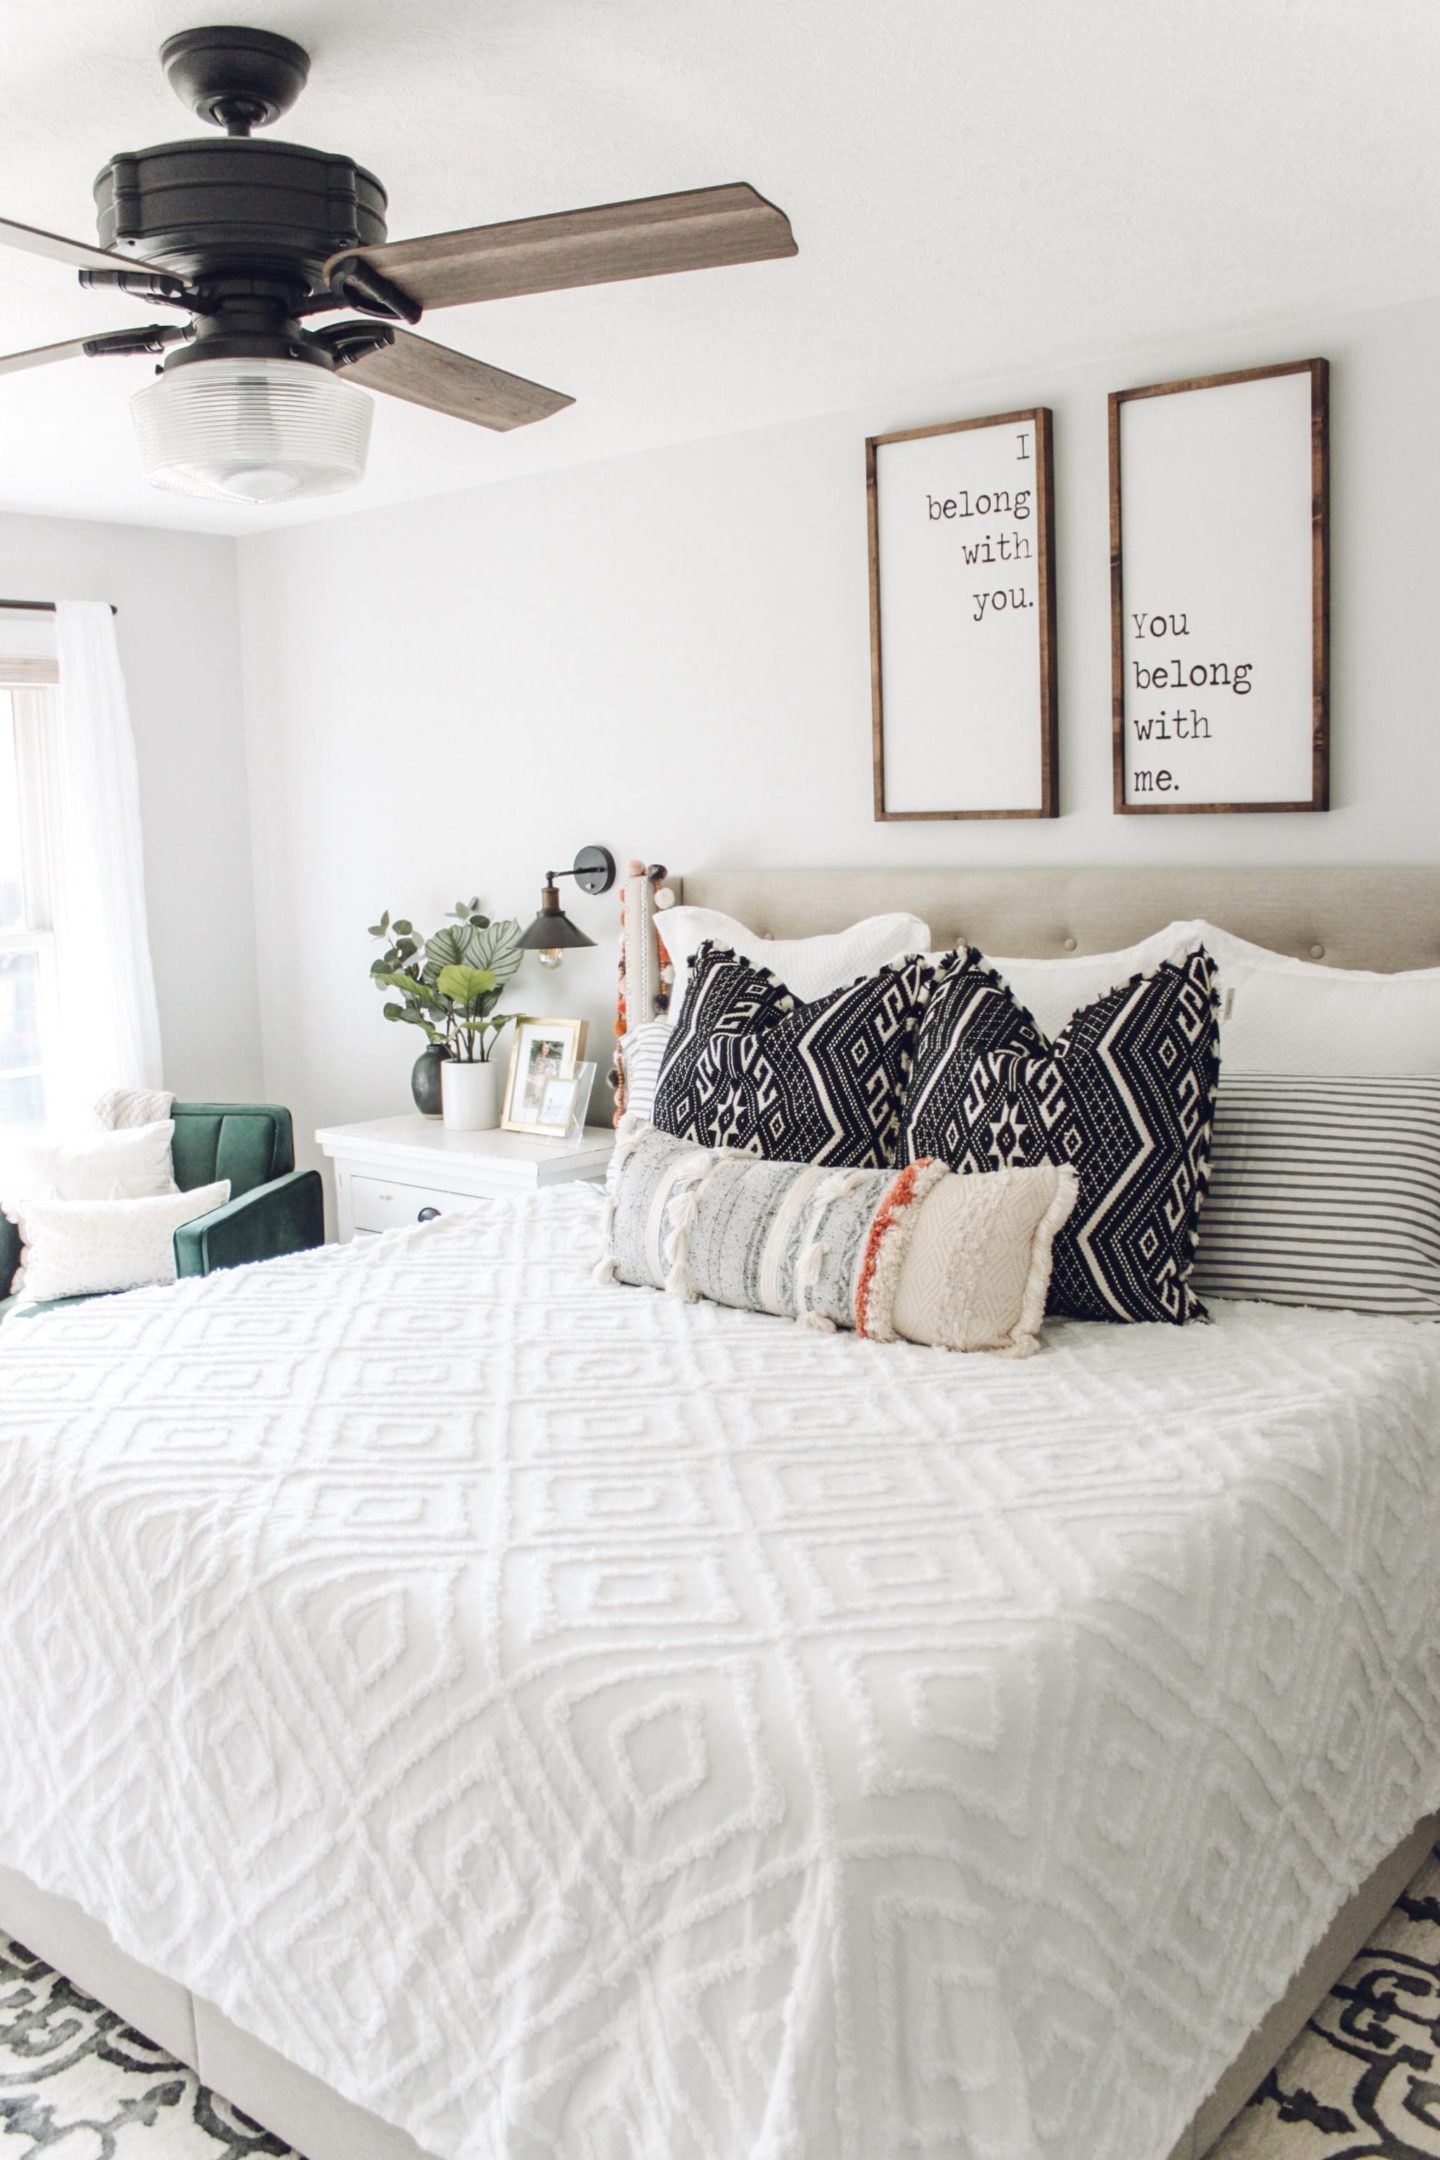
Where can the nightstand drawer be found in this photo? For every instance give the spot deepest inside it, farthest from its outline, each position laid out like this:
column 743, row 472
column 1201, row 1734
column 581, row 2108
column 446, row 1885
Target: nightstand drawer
column 383, row 1204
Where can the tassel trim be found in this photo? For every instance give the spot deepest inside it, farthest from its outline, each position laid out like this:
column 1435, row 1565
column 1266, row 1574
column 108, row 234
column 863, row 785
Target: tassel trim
column 1025, row 1335
column 629, row 1133
column 885, row 1248
column 810, row 1265
column 683, row 1209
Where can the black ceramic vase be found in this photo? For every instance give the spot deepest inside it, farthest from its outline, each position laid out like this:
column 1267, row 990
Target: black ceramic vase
column 425, row 1079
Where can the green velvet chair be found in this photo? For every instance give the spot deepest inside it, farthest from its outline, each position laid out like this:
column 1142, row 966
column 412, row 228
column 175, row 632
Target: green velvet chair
column 273, row 1207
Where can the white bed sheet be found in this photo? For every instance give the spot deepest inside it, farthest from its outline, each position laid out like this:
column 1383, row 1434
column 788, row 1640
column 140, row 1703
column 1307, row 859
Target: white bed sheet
column 578, row 1725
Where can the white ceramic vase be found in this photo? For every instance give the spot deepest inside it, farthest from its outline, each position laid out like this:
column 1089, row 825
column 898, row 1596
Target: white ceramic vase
column 470, row 1095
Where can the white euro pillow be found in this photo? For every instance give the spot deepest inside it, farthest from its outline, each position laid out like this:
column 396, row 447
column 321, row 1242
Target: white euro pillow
column 809, row 967
column 1301, row 1017
column 1281, row 1015
column 82, row 1248
column 133, row 1164
column 1053, row 991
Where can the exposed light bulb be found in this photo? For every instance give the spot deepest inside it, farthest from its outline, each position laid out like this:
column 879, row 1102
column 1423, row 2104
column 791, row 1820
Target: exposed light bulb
column 551, row 957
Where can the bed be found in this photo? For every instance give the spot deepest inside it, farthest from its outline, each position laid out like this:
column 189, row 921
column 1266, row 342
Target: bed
column 474, row 1712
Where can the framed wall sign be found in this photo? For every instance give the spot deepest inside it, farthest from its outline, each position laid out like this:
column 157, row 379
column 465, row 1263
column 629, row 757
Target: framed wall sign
column 962, row 619
column 1220, row 592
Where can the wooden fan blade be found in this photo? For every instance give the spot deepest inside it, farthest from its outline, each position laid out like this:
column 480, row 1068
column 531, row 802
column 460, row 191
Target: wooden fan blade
column 700, row 230
column 15, row 363
column 78, row 253
column 153, row 338
column 451, row 382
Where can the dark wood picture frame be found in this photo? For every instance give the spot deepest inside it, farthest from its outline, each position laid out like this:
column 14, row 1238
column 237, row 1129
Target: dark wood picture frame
column 1319, row 374
column 1042, row 420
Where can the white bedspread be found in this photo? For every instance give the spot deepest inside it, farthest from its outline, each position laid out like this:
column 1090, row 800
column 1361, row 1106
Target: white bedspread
column 574, row 1724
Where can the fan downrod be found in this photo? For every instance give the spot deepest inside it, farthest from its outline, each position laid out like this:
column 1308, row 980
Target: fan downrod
column 233, row 78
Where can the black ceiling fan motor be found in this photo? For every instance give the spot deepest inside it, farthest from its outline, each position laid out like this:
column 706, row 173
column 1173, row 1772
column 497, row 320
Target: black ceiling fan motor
column 256, row 242
column 212, row 207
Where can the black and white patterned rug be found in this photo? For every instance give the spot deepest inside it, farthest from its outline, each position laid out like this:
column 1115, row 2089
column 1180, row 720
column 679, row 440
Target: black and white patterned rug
column 76, row 2083
column 1361, row 2083
column 1363, row 2080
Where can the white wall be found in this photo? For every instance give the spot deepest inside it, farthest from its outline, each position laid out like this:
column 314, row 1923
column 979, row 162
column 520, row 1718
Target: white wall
column 669, row 654
column 179, row 645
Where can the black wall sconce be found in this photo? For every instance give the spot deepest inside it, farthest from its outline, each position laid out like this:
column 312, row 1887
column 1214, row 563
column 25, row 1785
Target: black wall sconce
column 552, row 931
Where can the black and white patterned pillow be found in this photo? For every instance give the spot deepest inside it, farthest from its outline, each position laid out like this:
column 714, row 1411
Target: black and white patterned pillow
column 824, row 1082
column 722, row 990
column 1125, row 1093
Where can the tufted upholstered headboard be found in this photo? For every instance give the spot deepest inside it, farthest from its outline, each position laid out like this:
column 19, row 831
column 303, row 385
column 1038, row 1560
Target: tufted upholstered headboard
column 1386, row 919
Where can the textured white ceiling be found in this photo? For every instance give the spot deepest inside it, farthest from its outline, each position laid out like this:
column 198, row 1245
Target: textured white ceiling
column 976, row 186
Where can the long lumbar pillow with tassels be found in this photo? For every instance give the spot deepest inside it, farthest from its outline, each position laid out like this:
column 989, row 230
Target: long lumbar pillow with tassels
column 961, row 1262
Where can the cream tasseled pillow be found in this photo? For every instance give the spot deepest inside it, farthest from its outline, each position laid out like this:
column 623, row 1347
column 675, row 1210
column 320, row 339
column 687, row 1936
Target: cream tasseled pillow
column 977, row 1267
column 82, row 1248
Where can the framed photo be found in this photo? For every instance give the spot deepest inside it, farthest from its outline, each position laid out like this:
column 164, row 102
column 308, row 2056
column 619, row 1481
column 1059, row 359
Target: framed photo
column 962, row 619
column 557, row 1104
column 543, row 1052
column 1220, row 592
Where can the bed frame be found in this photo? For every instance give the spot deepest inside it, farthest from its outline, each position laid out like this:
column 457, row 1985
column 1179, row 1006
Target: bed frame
column 1386, row 919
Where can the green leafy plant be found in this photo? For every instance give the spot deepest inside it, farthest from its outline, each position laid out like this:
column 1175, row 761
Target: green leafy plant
column 448, row 985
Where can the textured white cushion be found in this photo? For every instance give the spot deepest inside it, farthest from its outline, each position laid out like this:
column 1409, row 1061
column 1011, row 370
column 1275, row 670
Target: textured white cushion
column 809, row 967
column 79, row 1248
column 976, row 1271
column 128, row 1165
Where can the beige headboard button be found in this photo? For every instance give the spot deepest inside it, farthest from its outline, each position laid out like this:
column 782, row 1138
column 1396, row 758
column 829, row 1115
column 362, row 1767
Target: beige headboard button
column 1317, row 952
column 1068, row 943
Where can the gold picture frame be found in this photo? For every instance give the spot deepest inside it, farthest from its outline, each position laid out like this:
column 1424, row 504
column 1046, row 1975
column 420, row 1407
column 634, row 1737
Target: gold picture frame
column 542, row 1051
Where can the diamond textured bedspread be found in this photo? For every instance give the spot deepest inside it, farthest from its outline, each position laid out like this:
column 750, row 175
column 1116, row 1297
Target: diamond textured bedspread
column 580, row 1726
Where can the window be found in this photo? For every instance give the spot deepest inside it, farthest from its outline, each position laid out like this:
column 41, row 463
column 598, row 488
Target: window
column 28, row 1018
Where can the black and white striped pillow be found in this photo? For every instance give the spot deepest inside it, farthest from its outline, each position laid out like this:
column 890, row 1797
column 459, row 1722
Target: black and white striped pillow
column 642, row 1053
column 1324, row 1191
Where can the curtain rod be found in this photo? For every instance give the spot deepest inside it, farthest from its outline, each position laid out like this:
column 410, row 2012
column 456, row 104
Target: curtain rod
column 39, row 607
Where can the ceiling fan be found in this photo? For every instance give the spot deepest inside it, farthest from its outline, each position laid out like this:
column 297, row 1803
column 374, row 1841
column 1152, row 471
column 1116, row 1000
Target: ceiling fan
column 253, row 241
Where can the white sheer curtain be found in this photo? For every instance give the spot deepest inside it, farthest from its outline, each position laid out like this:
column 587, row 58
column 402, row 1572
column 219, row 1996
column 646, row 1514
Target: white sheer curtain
column 109, row 1022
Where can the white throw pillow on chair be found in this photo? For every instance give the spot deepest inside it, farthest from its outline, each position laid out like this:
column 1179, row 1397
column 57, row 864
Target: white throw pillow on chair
column 81, row 1248
column 133, row 1164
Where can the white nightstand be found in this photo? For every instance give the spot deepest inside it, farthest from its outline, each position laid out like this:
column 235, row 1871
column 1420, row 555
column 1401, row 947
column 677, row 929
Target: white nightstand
column 402, row 1169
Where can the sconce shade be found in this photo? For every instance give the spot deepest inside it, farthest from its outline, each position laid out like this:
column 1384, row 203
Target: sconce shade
column 552, row 932
column 552, row 928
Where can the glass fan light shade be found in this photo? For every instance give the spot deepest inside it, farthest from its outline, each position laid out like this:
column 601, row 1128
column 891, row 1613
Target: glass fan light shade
column 256, row 431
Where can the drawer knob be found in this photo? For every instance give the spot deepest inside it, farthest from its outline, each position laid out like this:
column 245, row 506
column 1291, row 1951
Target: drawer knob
column 427, row 1214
